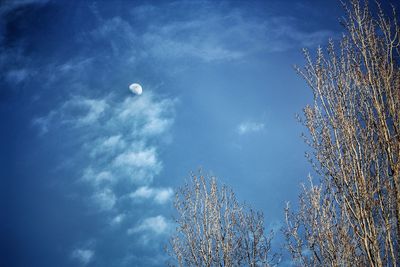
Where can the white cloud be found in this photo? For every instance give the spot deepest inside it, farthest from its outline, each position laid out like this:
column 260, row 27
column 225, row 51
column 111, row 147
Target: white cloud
column 84, row 256
column 83, row 111
column 162, row 45
column 103, row 177
column 119, row 29
column 105, row 198
column 143, row 158
column 43, row 123
column 155, row 125
column 159, row 195
column 77, row 111
column 143, row 192
column 250, row 127
column 107, row 145
column 74, row 65
column 163, row 195
column 112, row 141
column 157, row 225
column 153, row 117
column 118, row 219
column 118, row 143
column 214, row 34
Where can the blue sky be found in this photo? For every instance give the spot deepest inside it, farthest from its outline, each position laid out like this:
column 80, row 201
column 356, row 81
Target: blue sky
column 88, row 170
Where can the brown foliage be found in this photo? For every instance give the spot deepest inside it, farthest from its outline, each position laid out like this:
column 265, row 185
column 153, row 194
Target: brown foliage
column 353, row 216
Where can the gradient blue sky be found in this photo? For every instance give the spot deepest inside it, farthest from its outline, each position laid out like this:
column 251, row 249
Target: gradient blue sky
column 88, row 169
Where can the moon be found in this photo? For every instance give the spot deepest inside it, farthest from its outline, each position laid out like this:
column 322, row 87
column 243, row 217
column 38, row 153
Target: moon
column 136, row 88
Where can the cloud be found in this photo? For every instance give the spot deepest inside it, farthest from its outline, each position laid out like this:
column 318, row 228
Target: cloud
column 105, row 199
column 120, row 30
column 112, row 141
column 118, row 219
column 282, row 33
column 162, row 44
column 44, row 122
column 163, row 195
column 84, row 256
column 159, row 195
column 116, row 135
column 153, row 117
column 107, row 145
column 81, row 111
column 103, row 177
column 157, row 225
column 77, row 111
column 117, row 132
column 17, row 75
column 212, row 33
column 250, row 127
column 143, row 192
column 116, row 161
column 143, row 158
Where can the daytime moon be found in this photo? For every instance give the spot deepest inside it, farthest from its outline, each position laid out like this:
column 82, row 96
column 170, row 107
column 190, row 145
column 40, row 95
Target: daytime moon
column 136, row 88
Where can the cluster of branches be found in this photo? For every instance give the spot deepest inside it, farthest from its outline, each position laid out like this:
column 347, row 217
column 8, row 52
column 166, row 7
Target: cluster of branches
column 353, row 216
column 214, row 229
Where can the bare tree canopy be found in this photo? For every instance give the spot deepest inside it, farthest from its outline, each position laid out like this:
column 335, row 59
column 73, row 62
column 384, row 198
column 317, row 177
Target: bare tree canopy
column 353, row 216
column 214, row 229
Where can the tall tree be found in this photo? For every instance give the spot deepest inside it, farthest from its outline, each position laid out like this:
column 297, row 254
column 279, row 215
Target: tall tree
column 352, row 217
column 214, row 229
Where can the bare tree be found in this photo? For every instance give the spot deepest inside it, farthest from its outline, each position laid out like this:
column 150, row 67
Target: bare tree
column 213, row 229
column 353, row 216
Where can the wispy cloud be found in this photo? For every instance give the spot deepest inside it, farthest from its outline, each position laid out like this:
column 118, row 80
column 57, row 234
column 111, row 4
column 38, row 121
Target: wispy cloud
column 84, row 256
column 158, row 225
column 97, row 179
column 42, row 123
column 159, row 195
column 142, row 158
column 150, row 229
column 114, row 132
column 77, row 111
column 210, row 34
column 250, row 127
column 118, row 219
column 82, row 111
column 105, row 198
column 119, row 139
column 17, row 75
